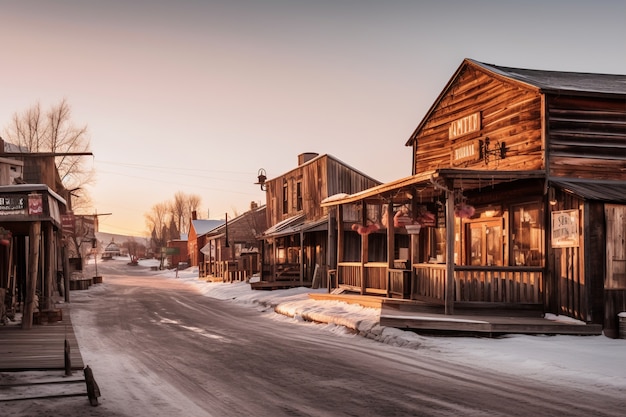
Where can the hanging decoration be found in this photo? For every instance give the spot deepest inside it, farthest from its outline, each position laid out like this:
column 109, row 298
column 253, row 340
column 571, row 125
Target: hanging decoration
column 365, row 230
column 461, row 208
column 5, row 236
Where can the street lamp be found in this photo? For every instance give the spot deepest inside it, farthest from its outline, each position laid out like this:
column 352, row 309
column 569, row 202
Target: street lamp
column 261, row 177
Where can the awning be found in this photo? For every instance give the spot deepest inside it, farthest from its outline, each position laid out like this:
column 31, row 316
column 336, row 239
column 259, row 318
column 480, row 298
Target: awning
column 431, row 183
column 590, row 189
column 295, row 225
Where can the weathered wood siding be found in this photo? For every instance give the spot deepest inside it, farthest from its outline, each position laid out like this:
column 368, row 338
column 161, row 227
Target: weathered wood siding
column 587, row 137
column 319, row 178
column 509, row 114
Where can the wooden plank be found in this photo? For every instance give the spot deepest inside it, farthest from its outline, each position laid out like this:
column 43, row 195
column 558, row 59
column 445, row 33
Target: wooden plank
column 40, row 348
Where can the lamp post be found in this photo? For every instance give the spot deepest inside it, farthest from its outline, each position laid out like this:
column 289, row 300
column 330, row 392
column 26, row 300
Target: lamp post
column 261, row 177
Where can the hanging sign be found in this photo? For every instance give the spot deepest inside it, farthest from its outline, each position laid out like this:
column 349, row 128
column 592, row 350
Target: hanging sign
column 35, row 204
column 67, row 223
column 565, row 230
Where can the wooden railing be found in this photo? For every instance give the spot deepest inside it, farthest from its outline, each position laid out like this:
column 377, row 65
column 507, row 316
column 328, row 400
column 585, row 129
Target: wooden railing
column 429, row 281
column 377, row 275
column 349, row 275
column 496, row 284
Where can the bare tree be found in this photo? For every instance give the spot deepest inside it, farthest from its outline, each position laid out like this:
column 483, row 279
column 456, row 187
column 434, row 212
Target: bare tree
column 54, row 132
column 156, row 222
column 181, row 208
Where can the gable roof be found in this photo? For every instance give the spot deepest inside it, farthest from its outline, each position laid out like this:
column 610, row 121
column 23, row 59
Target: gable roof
column 562, row 81
column 328, row 156
column 203, row 227
column 546, row 82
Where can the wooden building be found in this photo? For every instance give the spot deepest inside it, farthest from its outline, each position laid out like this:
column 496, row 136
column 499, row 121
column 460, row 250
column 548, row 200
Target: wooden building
column 177, row 252
column 197, row 238
column 517, row 199
column 232, row 251
column 296, row 241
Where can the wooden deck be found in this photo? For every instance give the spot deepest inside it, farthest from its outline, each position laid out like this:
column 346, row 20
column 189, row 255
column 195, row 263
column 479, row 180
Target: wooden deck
column 478, row 319
column 40, row 348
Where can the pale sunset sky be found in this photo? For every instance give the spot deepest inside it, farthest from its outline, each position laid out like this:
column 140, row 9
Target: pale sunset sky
column 197, row 95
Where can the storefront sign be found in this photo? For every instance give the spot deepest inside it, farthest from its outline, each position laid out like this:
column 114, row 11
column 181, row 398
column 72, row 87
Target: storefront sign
column 464, row 125
column 12, row 205
column 565, row 230
column 466, row 152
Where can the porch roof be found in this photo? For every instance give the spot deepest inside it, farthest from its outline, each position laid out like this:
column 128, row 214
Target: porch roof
column 296, row 224
column 429, row 184
column 591, row 189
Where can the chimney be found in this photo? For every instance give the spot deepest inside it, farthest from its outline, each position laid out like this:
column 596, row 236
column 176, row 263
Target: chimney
column 194, row 215
column 253, row 205
column 306, row 157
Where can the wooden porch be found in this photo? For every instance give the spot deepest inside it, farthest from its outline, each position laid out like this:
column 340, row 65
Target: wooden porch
column 486, row 299
column 41, row 347
column 469, row 318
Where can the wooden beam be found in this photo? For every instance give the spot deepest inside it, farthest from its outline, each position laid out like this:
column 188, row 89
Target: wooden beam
column 449, row 290
column 391, row 247
column 31, row 276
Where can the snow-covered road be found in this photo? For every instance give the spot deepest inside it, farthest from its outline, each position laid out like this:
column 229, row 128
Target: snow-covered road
column 160, row 347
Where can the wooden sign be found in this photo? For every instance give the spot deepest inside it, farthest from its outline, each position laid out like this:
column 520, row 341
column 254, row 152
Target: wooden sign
column 466, row 152
column 464, row 125
column 565, row 231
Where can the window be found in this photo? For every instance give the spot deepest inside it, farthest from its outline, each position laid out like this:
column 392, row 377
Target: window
column 299, row 196
column 285, row 197
column 527, row 235
column 484, row 242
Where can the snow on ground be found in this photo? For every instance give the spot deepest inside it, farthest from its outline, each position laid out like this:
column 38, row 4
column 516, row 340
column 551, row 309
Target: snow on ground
column 599, row 360
column 596, row 362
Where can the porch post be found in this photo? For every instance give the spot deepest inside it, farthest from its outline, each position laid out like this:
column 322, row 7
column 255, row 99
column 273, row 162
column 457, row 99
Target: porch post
column 449, row 291
column 48, row 265
column 391, row 240
column 31, row 276
column 340, row 236
column 364, row 250
column 302, row 259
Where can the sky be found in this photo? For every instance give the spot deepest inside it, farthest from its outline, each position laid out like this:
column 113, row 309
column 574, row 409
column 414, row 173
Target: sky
column 595, row 362
column 198, row 95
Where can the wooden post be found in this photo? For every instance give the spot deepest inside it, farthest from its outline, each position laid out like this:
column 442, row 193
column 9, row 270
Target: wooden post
column 93, row 391
column 364, row 250
column 68, row 360
column 340, row 235
column 48, row 265
column 391, row 246
column 31, row 276
column 449, row 291
column 66, row 273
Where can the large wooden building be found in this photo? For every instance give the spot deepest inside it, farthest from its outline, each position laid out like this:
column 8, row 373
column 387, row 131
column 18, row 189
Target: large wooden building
column 517, row 198
column 295, row 244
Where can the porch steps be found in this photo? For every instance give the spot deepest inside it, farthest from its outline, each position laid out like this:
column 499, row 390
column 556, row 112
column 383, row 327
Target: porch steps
column 363, row 300
column 278, row 285
column 485, row 321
